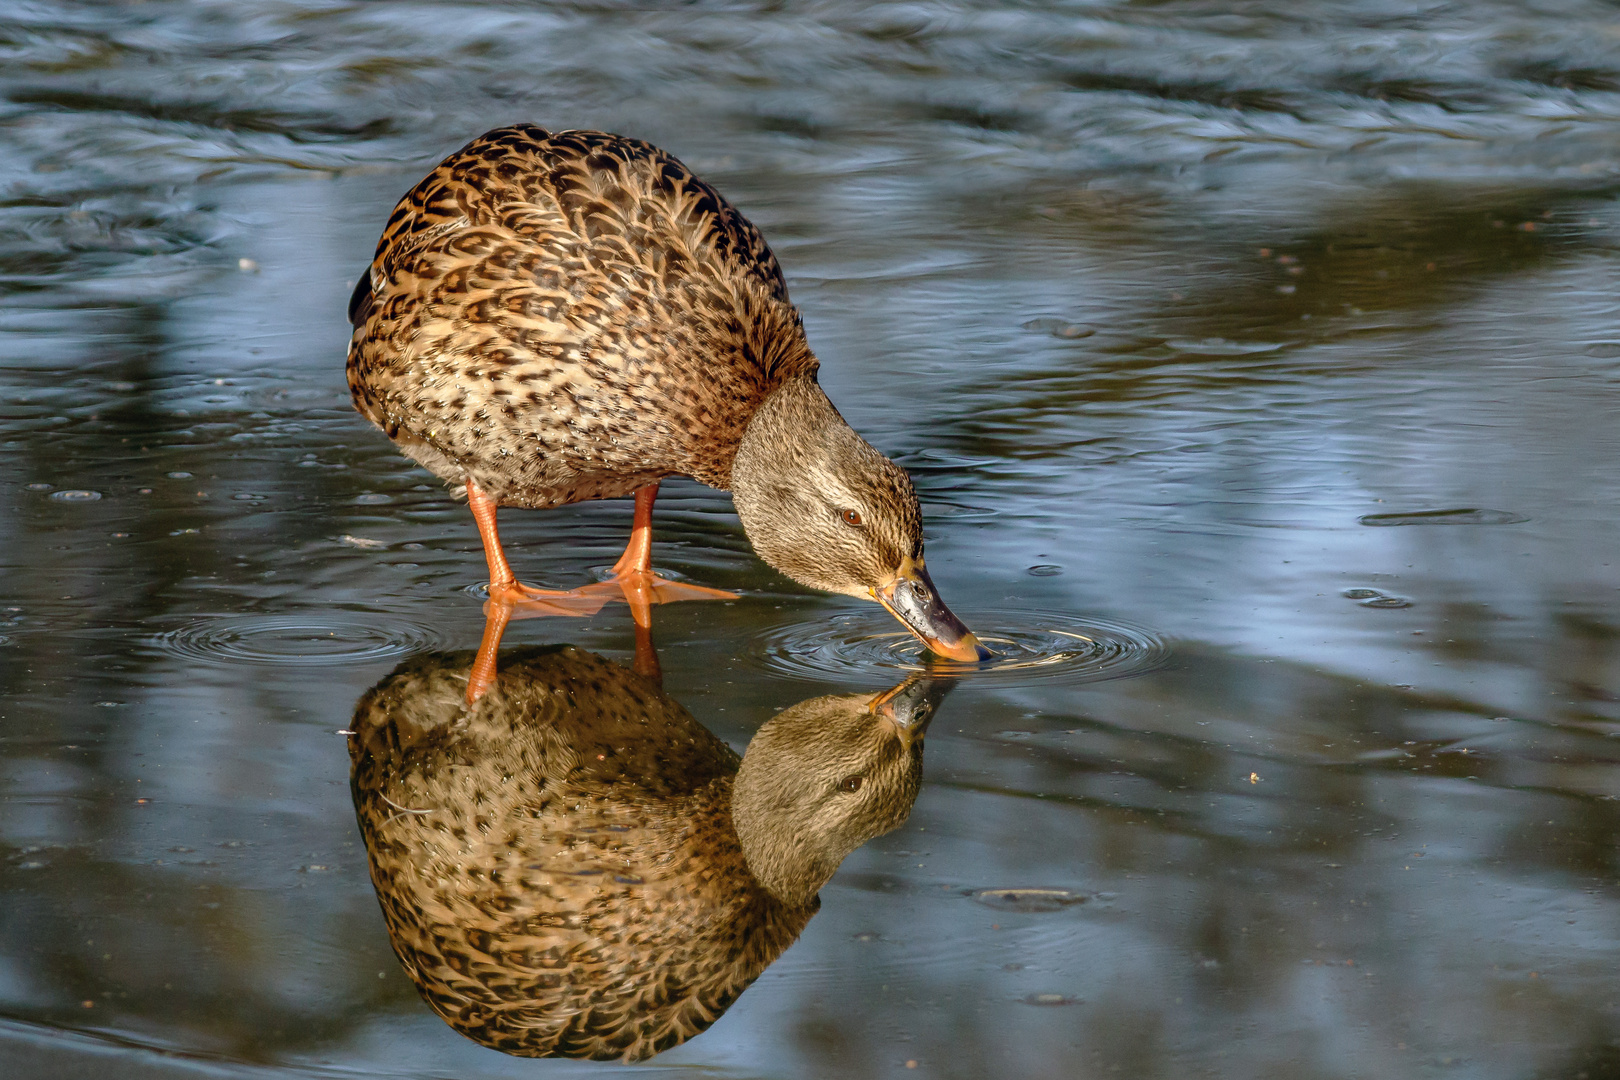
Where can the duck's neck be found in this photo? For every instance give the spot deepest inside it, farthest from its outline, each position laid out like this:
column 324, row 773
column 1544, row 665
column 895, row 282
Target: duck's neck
column 793, row 444
column 795, row 419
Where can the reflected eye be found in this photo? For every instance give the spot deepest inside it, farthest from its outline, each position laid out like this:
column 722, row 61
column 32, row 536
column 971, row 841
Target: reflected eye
column 850, row 783
column 851, row 518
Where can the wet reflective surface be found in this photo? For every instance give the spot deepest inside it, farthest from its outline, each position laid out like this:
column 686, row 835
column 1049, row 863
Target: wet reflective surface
column 1171, row 310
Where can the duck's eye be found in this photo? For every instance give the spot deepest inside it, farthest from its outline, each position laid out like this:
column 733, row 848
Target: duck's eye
column 851, row 518
column 850, row 784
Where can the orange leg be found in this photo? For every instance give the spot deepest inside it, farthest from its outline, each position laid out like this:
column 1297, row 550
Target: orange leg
column 637, row 557
column 633, row 579
column 483, row 510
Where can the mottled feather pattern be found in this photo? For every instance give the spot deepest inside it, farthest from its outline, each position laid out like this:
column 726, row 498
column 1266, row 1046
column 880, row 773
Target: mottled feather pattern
column 556, row 864
column 569, row 316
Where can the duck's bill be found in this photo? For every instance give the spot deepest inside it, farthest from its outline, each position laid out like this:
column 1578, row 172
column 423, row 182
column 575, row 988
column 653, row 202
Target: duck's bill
column 912, row 598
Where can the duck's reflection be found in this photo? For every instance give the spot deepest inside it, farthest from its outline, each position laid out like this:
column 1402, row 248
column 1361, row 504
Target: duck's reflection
column 574, row 866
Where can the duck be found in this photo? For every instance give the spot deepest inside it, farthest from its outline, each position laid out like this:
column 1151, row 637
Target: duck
column 574, row 866
column 552, row 317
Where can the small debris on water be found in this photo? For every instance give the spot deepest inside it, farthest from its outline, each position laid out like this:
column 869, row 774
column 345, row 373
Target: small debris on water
column 247, row 266
column 1374, row 599
column 1060, row 328
column 1025, row 899
column 1048, row 999
column 362, row 541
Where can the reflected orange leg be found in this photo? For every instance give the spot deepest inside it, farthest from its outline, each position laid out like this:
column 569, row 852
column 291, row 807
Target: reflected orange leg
column 646, row 662
column 482, row 675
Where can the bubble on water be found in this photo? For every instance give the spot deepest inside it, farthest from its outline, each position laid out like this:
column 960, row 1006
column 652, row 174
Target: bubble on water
column 1024, row 645
column 76, row 495
column 1360, row 594
column 1030, row 900
column 1462, row 516
column 178, row 475
column 40, row 487
column 1044, row 570
column 318, row 638
column 1060, row 328
column 249, row 496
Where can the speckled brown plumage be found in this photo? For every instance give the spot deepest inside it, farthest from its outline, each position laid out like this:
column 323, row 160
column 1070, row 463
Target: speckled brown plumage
column 560, row 865
column 569, row 316
column 558, row 317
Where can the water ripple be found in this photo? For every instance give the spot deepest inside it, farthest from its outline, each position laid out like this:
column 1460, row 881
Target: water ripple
column 1025, row 645
column 308, row 640
column 1465, row 516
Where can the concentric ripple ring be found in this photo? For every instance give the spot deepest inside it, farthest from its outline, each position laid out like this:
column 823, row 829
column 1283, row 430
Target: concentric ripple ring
column 307, row 640
column 1026, row 645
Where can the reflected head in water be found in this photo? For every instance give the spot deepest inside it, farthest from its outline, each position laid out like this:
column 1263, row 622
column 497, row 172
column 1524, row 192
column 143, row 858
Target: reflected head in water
column 573, row 866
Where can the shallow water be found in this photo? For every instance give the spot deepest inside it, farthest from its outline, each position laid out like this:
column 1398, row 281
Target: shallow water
column 1171, row 310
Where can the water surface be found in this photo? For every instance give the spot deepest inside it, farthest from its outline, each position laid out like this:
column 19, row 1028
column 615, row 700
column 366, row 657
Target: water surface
column 1171, row 310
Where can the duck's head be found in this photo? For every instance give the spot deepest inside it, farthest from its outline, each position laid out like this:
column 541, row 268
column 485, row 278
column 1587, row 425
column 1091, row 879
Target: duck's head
column 829, row 511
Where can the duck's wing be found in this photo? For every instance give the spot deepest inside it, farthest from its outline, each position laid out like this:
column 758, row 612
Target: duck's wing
column 588, row 274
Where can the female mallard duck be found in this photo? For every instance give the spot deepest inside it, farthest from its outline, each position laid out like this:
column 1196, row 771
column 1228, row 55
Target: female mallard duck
column 558, row 317
column 575, row 867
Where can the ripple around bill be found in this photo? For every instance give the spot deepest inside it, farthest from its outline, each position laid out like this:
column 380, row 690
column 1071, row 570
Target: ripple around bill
column 318, row 638
column 1025, row 646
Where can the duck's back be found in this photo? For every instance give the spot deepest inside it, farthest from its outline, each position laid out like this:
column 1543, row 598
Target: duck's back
column 569, row 316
